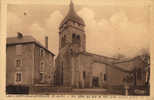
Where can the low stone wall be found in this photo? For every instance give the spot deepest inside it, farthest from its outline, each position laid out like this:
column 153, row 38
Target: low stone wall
column 48, row 89
column 116, row 90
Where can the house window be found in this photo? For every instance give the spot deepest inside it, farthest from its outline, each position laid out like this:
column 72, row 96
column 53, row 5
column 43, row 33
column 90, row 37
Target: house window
column 78, row 37
column 42, row 66
column 19, row 49
column 41, row 52
column 18, row 63
column 18, row 77
column 84, row 75
column 139, row 74
column 50, row 60
column 105, row 77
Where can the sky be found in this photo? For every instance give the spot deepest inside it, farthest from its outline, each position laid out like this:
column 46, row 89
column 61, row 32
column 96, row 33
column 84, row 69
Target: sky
column 111, row 30
column 0, row 17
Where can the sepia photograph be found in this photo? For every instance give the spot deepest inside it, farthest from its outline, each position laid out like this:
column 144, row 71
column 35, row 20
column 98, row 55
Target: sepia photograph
column 0, row 18
column 78, row 48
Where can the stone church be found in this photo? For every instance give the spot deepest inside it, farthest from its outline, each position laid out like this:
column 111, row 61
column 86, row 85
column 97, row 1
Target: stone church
column 77, row 68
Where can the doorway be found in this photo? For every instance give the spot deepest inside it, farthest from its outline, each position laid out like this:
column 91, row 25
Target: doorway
column 95, row 82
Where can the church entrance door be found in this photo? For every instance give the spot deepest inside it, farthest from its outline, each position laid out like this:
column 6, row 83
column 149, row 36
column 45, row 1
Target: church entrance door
column 95, row 82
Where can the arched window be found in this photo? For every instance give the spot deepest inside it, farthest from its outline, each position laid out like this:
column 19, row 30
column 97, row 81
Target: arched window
column 84, row 74
column 73, row 35
column 105, row 77
column 78, row 37
column 75, row 38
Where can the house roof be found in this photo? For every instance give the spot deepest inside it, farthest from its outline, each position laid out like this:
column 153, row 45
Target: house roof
column 101, row 57
column 132, row 63
column 125, row 65
column 25, row 40
column 128, row 65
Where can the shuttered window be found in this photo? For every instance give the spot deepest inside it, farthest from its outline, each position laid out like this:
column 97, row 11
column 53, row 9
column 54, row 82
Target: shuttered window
column 42, row 65
column 41, row 53
column 18, row 62
column 18, row 77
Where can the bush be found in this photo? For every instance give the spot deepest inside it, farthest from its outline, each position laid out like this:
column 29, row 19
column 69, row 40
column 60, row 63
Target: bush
column 17, row 89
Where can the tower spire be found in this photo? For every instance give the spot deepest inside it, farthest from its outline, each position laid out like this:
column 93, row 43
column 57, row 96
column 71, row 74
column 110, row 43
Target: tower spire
column 71, row 5
column 72, row 15
column 71, row 2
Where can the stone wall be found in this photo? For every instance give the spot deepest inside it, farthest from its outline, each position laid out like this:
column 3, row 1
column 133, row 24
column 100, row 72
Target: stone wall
column 99, row 70
column 47, row 58
column 114, row 76
column 64, row 69
column 26, row 67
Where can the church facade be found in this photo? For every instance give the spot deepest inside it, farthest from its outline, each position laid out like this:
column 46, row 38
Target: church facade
column 77, row 68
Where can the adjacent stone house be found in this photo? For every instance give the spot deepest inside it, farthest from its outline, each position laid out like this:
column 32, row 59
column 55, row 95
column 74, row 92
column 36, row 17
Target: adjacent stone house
column 28, row 63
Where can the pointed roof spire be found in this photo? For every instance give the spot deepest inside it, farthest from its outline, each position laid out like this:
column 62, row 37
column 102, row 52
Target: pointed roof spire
column 72, row 15
column 71, row 4
column 71, row 9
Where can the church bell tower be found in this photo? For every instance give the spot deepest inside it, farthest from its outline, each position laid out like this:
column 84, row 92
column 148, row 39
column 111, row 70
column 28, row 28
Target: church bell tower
column 72, row 41
column 71, row 30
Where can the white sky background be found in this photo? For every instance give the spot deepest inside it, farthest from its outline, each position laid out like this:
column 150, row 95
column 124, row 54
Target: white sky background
column 110, row 29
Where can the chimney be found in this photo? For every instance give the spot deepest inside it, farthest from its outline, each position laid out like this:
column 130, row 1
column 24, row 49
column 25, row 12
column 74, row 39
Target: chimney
column 46, row 42
column 19, row 35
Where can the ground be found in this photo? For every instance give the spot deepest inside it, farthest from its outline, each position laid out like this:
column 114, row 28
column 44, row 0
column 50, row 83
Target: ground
column 89, row 91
